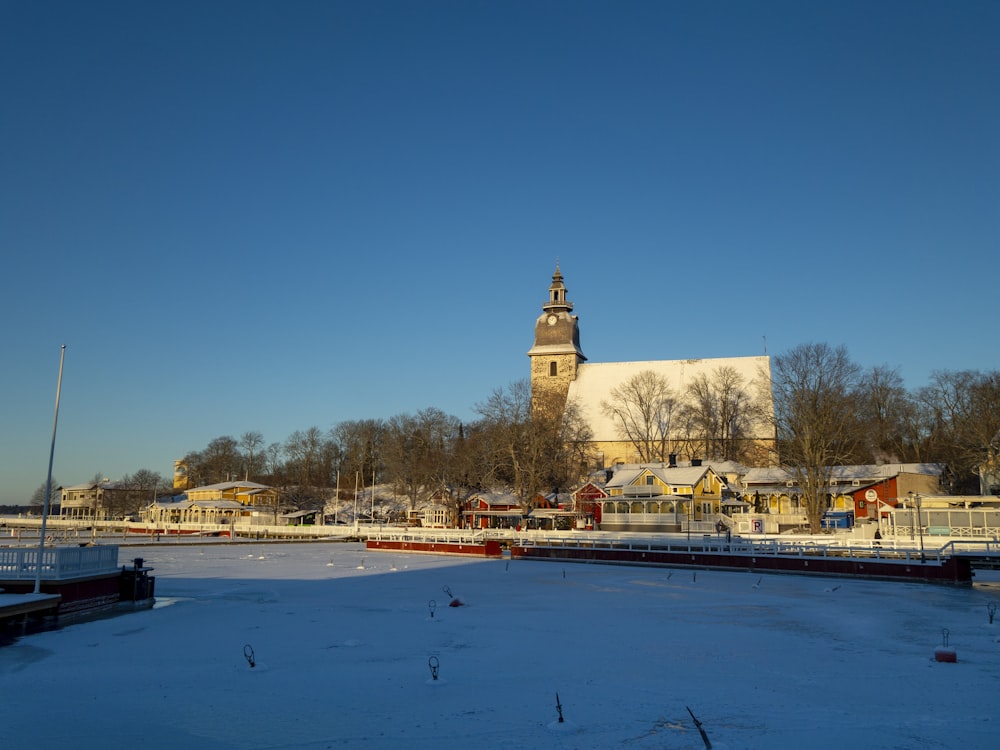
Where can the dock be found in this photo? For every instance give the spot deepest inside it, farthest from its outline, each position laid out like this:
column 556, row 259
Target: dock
column 18, row 608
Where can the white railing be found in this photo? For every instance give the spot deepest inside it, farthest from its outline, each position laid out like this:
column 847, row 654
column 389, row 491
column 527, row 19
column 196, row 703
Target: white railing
column 439, row 536
column 712, row 544
column 58, row 563
column 981, row 548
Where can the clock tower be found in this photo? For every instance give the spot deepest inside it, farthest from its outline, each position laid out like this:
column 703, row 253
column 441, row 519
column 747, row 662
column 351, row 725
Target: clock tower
column 556, row 353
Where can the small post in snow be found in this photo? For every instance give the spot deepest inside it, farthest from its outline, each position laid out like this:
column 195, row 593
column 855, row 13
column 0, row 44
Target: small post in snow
column 249, row 655
column 991, row 610
column 944, row 652
column 432, row 605
column 434, row 666
column 559, row 708
column 701, row 730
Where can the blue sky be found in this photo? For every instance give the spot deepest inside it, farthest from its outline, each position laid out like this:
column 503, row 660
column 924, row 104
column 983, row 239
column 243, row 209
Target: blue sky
column 271, row 216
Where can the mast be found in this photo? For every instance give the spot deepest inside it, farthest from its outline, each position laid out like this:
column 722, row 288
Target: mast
column 48, row 480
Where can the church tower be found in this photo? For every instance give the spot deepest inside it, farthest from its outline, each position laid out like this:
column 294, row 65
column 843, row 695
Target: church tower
column 556, row 353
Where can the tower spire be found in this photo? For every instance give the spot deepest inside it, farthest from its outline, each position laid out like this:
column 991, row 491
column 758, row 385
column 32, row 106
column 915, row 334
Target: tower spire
column 557, row 295
column 556, row 354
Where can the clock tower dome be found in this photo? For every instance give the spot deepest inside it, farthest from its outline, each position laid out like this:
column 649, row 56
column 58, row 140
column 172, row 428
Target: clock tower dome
column 556, row 353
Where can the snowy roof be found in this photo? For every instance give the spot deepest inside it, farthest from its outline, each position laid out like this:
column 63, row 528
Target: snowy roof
column 230, row 486
column 595, row 381
column 861, row 472
column 171, row 502
column 495, row 498
column 93, row 485
column 670, row 476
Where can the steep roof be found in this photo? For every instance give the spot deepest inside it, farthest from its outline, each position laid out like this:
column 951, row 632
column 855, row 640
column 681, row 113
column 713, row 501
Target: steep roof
column 595, row 381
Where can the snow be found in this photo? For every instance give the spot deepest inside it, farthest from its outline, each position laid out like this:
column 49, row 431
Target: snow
column 342, row 641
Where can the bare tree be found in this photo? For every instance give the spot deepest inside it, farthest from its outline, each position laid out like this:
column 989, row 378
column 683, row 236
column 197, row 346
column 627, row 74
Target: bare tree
column 719, row 413
column 360, row 446
column 644, row 408
column 134, row 492
column 219, row 462
column 38, row 496
column 252, row 444
column 531, row 451
column 963, row 413
column 310, row 458
column 815, row 416
column 887, row 414
column 417, row 452
column 273, row 464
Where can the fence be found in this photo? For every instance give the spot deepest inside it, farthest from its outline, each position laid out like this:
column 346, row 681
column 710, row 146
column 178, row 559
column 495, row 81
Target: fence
column 58, row 563
column 712, row 544
column 910, row 522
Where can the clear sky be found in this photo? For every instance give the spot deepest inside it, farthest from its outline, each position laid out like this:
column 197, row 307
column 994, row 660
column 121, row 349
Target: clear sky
column 271, row 216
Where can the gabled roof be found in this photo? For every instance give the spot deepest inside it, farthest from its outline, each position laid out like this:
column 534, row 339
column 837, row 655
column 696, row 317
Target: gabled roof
column 595, row 487
column 494, row 498
column 668, row 475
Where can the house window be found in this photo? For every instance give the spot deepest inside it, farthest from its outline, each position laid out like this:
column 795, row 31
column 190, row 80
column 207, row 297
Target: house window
column 649, row 480
column 553, row 369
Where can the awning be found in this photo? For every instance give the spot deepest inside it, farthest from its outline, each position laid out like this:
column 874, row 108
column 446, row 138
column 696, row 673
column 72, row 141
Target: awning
column 550, row 513
column 299, row 514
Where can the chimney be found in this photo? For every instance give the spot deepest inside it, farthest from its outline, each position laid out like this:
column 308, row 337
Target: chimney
column 673, row 460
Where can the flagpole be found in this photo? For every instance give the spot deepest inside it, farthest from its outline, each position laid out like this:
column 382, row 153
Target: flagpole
column 48, row 480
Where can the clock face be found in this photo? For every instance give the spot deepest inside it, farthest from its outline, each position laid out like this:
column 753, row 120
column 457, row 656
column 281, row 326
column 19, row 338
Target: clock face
column 552, row 320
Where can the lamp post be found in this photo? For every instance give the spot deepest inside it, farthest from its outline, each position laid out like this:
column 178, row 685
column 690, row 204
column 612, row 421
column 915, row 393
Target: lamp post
column 920, row 528
column 915, row 503
column 690, row 506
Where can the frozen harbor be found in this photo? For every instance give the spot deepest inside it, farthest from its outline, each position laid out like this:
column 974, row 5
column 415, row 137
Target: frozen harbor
column 342, row 642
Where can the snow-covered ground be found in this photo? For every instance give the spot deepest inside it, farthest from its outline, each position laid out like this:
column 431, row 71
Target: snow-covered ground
column 342, row 640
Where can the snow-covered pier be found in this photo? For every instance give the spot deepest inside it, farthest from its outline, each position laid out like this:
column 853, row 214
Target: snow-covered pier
column 765, row 555
column 74, row 579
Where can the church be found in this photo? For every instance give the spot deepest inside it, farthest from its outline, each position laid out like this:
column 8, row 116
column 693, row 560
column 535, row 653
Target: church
column 561, row 372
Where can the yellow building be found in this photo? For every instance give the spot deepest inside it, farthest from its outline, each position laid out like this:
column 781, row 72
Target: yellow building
column 92, row 501
column 660, row 497
column 224, row 503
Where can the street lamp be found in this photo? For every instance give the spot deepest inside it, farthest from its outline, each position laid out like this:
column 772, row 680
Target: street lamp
column 915, row 501
column 920, row 528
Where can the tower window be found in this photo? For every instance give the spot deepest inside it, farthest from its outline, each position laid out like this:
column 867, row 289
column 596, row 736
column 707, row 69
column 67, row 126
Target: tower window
column 553, row 369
